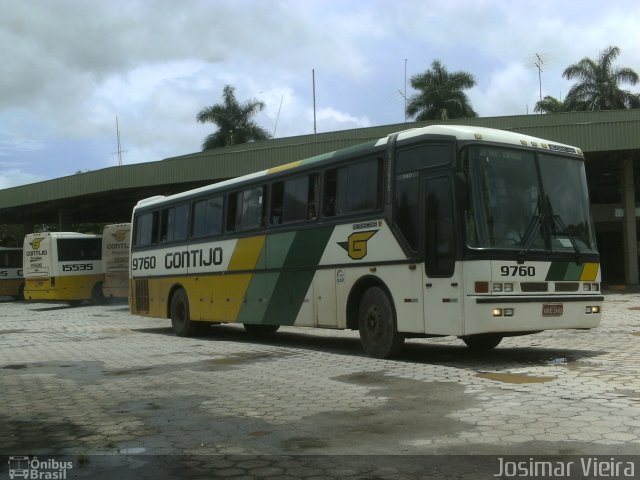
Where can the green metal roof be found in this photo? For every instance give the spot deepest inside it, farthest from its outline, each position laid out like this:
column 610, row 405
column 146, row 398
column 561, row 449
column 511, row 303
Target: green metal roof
column 107, row 194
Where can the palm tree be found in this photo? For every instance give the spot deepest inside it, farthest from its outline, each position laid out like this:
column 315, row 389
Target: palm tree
column 233, row 120
column 550, row 104
column 441, row 94
column 597, row 87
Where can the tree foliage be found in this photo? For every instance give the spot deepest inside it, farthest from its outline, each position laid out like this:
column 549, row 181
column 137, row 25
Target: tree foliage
column 441, row 94
column 550, row 104
column 598, row 84
column 234, row 121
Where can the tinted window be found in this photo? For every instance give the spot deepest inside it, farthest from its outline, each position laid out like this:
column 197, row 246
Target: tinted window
column 353, row 188
column 424, row 156
column 70, row 249
column 246, row 209
column 146, row 229
column 11, row 259
column 407, row 207
column 440, row 237
column 174, row 225
column 294, row 200
column 207, row 217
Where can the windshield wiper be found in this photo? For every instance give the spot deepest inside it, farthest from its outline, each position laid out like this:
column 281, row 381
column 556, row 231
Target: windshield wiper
column 563, row 231
column 531, row 232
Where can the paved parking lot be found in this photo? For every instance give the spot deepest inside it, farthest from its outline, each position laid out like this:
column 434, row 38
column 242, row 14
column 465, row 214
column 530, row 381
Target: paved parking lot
column 94, row 381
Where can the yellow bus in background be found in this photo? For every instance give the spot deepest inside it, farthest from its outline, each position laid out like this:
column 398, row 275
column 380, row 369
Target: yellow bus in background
column 63, row 266
column 11, row 281
column 115, row 259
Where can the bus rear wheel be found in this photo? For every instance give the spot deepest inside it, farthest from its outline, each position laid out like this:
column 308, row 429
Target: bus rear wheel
column 377, row 326
column 97, row 295
column 482, row 341
column 179, row 313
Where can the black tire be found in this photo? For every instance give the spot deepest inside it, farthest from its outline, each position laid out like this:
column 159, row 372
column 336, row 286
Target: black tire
column 482, row 341
column 179, row 314
column 377, row 325
column 260, row 329
column 97, row 295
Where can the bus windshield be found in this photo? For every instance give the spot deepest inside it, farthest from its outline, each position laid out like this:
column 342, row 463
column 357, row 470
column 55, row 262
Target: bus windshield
column 525, row 201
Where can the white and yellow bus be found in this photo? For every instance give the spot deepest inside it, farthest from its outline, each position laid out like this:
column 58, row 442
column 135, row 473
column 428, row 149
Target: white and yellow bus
column 63, row 266
column 11, row 281
column 436, row 231
column 115, row 259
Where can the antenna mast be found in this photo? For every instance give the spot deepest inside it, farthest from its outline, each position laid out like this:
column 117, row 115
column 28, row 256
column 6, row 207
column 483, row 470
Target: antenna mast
column 119, row 152
column 538, row 63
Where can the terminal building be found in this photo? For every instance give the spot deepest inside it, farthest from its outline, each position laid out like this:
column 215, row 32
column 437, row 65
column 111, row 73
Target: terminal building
column 610, row 141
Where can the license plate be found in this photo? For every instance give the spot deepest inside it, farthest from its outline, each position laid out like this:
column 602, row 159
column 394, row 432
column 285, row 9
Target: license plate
column 552, row 309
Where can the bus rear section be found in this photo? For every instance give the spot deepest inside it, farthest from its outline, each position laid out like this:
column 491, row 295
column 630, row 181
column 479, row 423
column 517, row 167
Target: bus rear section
column 115, row 258
column 63, row 266
column 11, row 281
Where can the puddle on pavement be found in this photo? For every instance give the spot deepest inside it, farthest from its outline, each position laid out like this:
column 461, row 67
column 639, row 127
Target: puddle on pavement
column 244, row 358
column 225, row 361
column 518, row 378
column 130, row 371
column 115, row 330
column 131, row 451
column 305, row 443
column 20, row 366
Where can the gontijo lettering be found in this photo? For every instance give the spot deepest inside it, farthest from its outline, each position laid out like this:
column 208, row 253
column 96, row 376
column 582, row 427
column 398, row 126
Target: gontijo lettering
column 193, row 258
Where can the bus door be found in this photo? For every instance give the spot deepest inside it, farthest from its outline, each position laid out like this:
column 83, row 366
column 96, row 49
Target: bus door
column 443, row 296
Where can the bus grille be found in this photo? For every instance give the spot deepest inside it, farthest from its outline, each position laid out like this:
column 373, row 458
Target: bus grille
column 142, row 296
column 567, row 286
column 534, row 286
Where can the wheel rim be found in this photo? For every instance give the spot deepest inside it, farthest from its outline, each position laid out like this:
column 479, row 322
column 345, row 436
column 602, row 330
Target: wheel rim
column 180, row 314
column 373, row 321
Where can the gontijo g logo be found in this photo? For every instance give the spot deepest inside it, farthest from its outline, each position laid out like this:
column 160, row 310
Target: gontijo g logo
column 120, row 235
column 356, row 244
column 35, row 244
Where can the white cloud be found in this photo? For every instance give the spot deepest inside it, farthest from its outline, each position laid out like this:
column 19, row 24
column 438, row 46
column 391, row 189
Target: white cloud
column 70, row 66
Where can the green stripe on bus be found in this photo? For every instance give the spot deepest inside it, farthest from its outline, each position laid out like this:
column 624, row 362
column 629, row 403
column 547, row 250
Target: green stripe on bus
column 260, row 290
column 564, row 271
column 556, row 271
column 574, row 271
column 289, row 293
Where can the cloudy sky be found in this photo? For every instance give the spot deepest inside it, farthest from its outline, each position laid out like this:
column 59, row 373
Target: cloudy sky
column 70, row 67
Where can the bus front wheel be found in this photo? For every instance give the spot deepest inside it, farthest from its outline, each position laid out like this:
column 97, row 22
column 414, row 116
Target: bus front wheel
column 482, row 341
column 179, row 312
column 377, row 325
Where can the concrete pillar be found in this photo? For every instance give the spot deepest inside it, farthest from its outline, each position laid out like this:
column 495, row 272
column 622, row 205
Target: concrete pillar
column 629, row 223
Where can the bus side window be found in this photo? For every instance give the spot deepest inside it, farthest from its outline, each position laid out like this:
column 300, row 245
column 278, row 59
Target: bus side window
column 146, row 229
column 329, row 202
column 277, row 201
column 174, row 225
column 440, row 233
column 246, row 209
column 207, row 217
column 407, row 212
column 353, row 188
